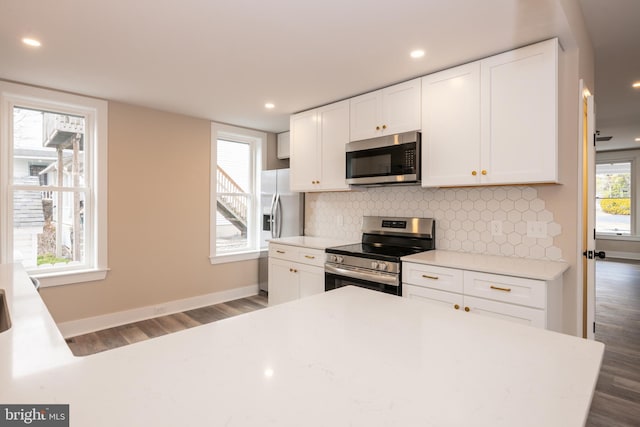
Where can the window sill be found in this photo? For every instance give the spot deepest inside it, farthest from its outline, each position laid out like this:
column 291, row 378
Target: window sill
column 235, row 257
column 616, row 237
column 69, row 277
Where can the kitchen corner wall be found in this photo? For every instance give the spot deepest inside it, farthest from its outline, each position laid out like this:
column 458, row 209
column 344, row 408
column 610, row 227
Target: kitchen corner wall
column 463, row 217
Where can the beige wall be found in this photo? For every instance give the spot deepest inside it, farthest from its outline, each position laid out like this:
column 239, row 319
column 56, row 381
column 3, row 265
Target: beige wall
column 158, row 219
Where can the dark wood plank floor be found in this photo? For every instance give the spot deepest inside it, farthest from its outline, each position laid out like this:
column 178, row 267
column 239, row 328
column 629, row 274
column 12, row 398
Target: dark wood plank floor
column 616, row 402
column 617, row 398
column 107, row 339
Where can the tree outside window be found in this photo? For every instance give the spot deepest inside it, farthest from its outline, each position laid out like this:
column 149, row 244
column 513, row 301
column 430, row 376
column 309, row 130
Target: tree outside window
column 613, row 198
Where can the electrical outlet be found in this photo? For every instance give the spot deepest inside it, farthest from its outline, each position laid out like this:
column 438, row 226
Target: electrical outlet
column 496, row 228
column 537, row 229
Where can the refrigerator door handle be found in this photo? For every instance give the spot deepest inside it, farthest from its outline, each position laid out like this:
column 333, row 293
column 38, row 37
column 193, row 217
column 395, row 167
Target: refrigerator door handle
column 278, row 216
column 272, row 214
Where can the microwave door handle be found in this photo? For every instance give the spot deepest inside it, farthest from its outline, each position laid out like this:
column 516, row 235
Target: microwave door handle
column 272, row 214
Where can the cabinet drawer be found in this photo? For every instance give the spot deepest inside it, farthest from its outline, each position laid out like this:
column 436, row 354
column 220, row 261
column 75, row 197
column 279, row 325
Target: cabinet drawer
column 286, row 252
column 512, row 313
column 441, row 278
column 432, row 296
column 514, row 290
column 311, row 256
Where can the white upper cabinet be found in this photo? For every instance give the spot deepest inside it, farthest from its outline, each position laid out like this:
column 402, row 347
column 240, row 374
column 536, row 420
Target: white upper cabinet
column 451, row 126
column 493, row 121
column 391, row 110
column 519, row 106
column 317, row 143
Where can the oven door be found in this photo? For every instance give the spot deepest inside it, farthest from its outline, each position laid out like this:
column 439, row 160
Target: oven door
column 337, row 277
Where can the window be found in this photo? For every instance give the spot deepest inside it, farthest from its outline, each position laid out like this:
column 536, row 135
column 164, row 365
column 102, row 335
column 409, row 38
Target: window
column 53, row 180
column 236, row 159
column 614, row 198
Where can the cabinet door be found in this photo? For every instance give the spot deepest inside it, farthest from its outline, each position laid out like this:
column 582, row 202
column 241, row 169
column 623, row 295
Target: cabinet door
column 305, row 154
column 432, row 296
column 365, row 112
column 510, row 312
column 401, row 107
column 451, row 127
column 519, row 115
column 334, row 135
column 311, row 280
column 283, row 282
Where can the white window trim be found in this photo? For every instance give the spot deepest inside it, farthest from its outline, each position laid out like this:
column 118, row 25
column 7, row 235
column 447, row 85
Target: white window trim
column 222, row 131
column 623, row 156
column 97, row 111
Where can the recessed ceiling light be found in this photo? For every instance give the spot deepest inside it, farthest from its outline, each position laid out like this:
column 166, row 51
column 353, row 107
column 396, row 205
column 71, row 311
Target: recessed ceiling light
column 637, row 139
column 269, row 105
column 636, row 85
column 31, row 42
column 418, row 53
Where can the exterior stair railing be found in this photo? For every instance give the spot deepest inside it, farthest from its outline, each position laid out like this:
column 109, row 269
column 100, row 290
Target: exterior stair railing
column 231, row 201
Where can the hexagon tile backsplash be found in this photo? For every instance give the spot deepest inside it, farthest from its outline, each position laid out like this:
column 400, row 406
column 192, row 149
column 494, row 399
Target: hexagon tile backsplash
column 463, row 217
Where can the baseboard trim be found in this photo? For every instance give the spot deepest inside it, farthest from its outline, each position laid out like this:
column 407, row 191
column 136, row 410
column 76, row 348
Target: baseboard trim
column 87, row 325
column 623, row 255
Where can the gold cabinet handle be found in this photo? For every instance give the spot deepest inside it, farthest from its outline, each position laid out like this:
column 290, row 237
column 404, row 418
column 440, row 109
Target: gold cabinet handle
column 456, row 306
column 377, row 127
column 467, row 309
column 498, row 288
column 310, row 257
column 474, row 173
column 280, row 252
column 484, row 172
column 293, row 270
column 384, row 126
column 430, row 277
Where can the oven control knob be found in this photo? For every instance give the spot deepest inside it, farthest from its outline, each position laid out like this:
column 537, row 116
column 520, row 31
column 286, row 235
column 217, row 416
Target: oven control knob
column 332, row 258
column 374, row 265
column 382, row 266
column 339, row 259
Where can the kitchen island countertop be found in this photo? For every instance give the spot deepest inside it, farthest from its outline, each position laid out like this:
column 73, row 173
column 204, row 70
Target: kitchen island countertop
column 348, row 357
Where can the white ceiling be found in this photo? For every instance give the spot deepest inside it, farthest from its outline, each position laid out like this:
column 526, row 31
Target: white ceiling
column 615, row 33
column 224, row 60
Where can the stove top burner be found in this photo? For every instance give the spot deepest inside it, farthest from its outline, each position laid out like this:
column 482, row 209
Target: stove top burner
column 381, row 252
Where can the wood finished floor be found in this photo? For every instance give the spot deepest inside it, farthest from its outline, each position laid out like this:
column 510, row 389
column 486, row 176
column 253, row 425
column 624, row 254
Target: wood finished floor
column 107, row 339
column 616, row 402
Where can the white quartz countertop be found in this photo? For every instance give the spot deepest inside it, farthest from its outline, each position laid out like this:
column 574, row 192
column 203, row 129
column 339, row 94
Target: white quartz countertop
column 310, row 242
column 520, row 267
column 348, row 357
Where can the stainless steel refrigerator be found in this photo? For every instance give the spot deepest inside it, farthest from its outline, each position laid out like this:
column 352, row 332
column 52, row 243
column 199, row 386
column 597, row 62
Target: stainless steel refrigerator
column 282, row 214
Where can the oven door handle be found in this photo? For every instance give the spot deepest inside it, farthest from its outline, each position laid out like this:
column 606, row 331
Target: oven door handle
column 387, row 279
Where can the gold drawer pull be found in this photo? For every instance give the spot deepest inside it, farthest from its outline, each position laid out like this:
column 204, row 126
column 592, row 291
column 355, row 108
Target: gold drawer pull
column 280, row 252
column 430, row 277
column 456, row 306
column 310, row 257
column 293, row 270
column 474, row 173
column 484, row 172
column 498, row 288
column 467, row 309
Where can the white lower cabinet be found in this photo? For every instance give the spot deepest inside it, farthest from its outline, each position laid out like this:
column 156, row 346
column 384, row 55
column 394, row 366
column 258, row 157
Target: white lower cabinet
column 294, row 272
column 516, row 299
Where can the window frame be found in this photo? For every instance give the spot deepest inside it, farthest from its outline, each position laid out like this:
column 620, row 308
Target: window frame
column 95, row 112
column 623, row 157
column 257, row 141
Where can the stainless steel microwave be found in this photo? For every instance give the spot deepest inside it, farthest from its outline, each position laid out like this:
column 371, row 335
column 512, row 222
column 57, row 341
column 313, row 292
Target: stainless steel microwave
column 391, row 159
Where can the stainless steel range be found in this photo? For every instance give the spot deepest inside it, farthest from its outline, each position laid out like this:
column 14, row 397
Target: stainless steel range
column 375, row 262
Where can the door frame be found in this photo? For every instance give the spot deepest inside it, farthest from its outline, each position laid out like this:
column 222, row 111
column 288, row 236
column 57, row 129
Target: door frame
column 586, row 215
